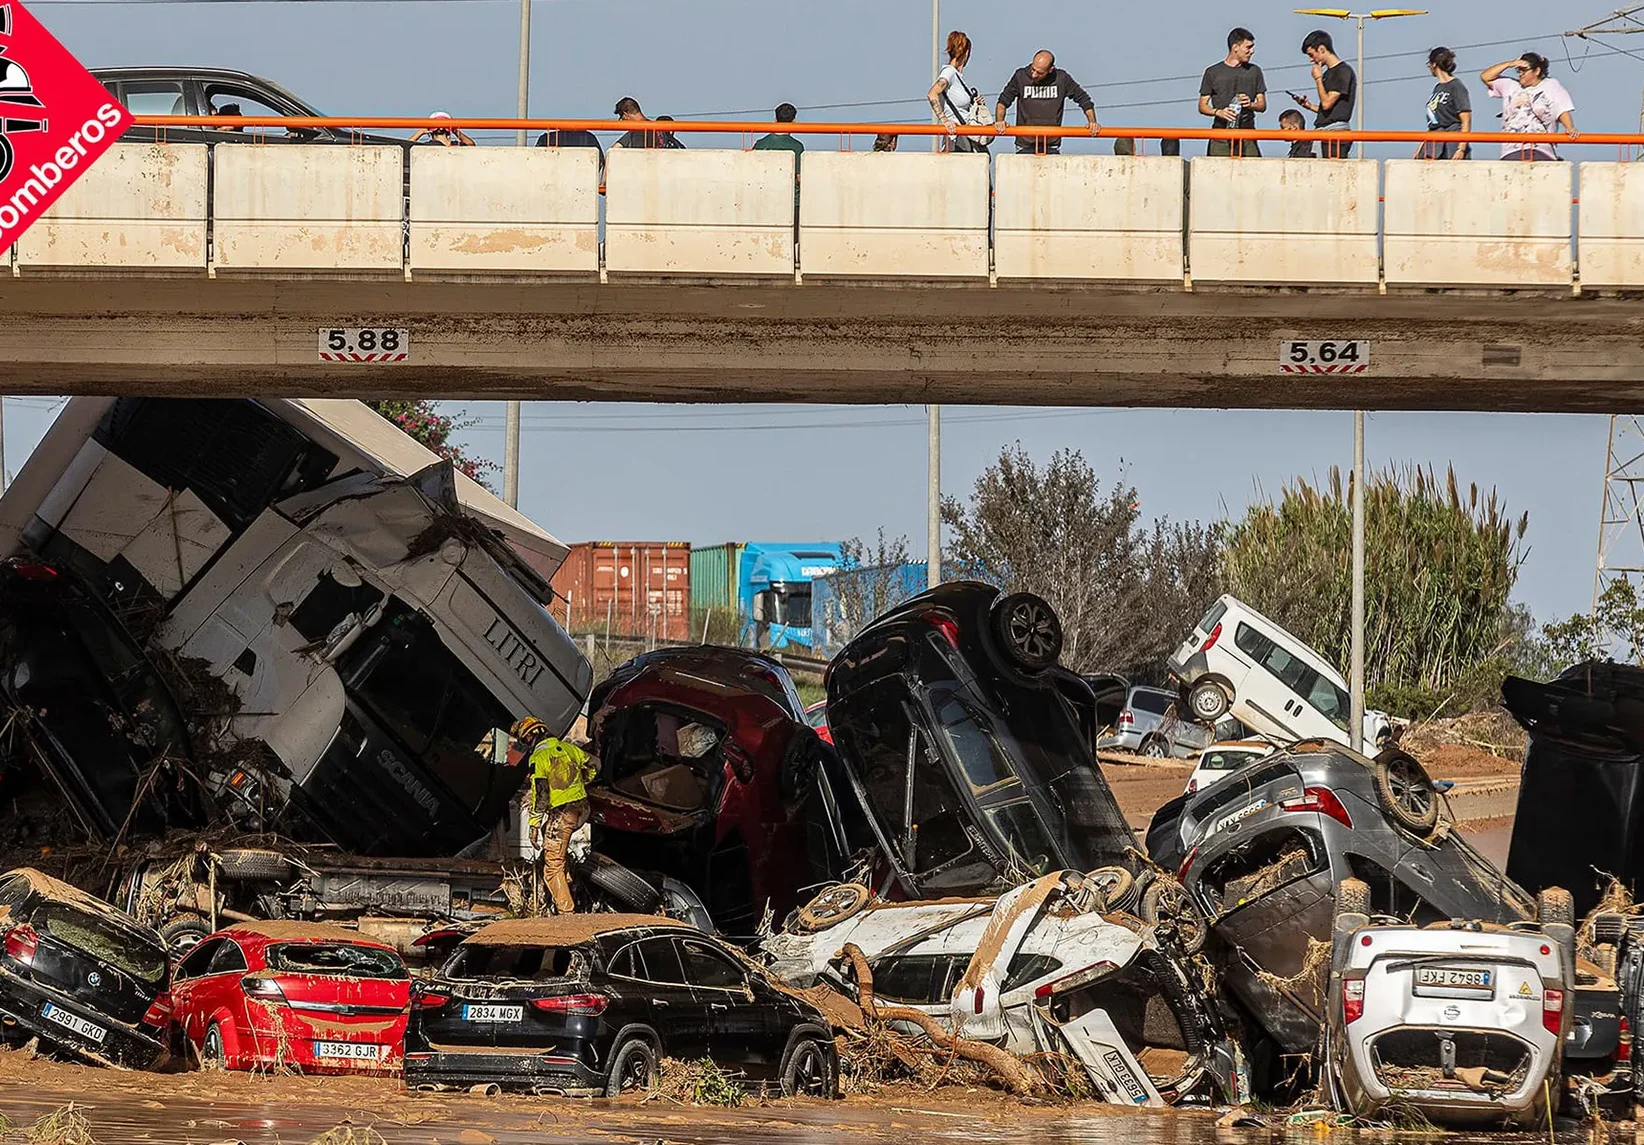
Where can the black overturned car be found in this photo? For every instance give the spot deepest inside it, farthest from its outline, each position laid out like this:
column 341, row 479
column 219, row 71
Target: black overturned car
column 589, row 1004
column 969, row 746
column 78, row 974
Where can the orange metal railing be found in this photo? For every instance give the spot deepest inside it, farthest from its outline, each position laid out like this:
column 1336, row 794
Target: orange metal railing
column 847, row 130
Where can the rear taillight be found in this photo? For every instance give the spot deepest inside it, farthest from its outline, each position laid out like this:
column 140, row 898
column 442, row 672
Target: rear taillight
column 1624, row 1047
column 1321, row 800
column 1352, row 999
column 1127, row 718
column 430, row 1001
column 1552, row 1010
column 946, row 625
column 1210, row 641
column 21, row 943
column 1071, row 981
column 262, row 989
column 1181, row 872
column 589, row 1005
column 159, row 1012
column 978, row 1001
column 1192, row 786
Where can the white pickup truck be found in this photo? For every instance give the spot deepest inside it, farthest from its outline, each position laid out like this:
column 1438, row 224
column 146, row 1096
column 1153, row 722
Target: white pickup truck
column 367, row 613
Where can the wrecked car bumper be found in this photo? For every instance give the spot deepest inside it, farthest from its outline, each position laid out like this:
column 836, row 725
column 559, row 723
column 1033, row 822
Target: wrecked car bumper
column 23, row 1005
column 517, row 1070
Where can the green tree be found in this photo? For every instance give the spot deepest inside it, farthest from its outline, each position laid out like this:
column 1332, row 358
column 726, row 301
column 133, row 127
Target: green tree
column 425, row 424
column 1126, row 594
column 1613, row 630
column 1440, row 568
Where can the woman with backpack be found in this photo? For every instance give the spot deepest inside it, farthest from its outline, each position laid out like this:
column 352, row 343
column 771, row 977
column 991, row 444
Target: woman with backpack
column 955, row 102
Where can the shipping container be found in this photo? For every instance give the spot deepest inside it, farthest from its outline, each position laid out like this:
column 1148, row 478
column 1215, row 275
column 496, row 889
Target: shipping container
column 636, row 588
column 845, row 602
column 716, row 577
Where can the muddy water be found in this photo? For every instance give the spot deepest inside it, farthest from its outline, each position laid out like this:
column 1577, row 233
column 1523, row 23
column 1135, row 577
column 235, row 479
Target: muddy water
column 124, row 1109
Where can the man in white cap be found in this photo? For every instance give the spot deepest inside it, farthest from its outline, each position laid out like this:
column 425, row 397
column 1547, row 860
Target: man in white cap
column 447, row 136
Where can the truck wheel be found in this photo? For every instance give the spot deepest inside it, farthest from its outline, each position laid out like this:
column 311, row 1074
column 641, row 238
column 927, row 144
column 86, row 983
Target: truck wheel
column 633, row 1067
column 253, row 865
column 832, row 906
column 811, row 1070
column 183, row 934
column 1027, row 630
column 1406, row 792
column 1208, row 701
column 623, row 885
column 1167, row 905
column 1556, row 905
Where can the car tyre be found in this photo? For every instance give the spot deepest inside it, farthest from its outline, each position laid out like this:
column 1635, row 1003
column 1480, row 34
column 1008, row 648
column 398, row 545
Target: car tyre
column 627, row 887
column 1406, row 791
column 213, row 1055
column 183, row 934
column 1117, row 885
column 633, row 1066
column 1555, row 905
column 1208, row 701
column 800, row 762
column 1167, row 905
column 253, row 865
column 811, row 1069
column 1154, row 747
column 1352, row 897
column 832, row 907
column 1027, row 630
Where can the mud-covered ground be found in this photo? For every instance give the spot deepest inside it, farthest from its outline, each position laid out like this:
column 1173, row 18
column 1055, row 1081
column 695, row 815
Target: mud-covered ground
column 214, row 1108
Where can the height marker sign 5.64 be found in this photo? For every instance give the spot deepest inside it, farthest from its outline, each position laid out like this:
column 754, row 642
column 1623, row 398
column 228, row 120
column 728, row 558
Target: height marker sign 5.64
column 55, row 120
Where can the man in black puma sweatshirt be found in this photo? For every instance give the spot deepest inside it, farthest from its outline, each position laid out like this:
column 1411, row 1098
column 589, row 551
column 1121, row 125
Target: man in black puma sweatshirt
column 1043, row 89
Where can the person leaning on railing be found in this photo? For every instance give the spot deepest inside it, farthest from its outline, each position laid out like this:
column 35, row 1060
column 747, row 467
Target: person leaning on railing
column 1041, row 91
column 1449, row 108
column 955, row 102
column 1531, row 104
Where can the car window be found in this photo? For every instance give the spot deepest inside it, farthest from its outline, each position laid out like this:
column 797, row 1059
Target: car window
column 1020, row 825
column 1025, row 968
column 1148, row 701
column 705, row 966
column 336, row 958
column 194, row 963
column 970, row 740
column 227, row 99
column 627, row 963
column 1252, row 643
column 1330, row 700
column 1225, row 760
column 124, row 947
column 661, row 960
column 1213, row 617
column 509, row 961
column 13, row 891
column 1262, row 865
column 227, row 959
column 915, row 979
column 153, row 97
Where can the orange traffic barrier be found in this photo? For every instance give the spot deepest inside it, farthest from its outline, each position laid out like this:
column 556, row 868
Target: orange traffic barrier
column 608, row 126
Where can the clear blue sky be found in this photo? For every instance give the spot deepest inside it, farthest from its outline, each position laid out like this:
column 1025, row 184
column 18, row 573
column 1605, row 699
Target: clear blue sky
column 687, row 473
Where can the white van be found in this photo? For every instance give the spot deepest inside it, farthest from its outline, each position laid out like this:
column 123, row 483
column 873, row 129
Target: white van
column 1240, row 661
column 368, row 607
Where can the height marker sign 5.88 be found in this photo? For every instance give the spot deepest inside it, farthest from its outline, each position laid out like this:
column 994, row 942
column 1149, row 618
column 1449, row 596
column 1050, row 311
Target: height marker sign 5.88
column 55, row 120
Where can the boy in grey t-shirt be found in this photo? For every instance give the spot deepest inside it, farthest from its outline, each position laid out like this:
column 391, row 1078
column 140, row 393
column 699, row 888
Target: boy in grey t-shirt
column 1231, row 94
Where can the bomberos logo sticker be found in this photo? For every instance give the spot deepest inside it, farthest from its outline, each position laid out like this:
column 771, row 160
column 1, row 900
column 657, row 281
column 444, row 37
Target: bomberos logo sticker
column 55, row 120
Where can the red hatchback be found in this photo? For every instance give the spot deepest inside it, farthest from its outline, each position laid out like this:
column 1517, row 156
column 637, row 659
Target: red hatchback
column 296, row 995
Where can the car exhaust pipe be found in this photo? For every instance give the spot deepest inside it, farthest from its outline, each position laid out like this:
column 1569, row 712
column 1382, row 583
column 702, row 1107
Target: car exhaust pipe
column 485, row 1089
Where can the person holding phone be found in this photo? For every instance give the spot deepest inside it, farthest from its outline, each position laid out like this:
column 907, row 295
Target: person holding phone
column 1337, row 85
column 1232, row 92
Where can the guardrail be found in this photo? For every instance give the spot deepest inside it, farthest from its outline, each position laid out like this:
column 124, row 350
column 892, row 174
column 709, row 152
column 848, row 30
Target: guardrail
column 374, row 208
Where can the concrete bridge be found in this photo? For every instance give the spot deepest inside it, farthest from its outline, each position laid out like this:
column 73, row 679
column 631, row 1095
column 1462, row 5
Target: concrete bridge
column 906, row 277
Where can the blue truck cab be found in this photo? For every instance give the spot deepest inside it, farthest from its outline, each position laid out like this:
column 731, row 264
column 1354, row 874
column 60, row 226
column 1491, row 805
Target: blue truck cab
column 775, row 591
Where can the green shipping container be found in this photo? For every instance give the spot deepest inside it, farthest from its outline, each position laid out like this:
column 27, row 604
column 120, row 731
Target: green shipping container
column 716, row 572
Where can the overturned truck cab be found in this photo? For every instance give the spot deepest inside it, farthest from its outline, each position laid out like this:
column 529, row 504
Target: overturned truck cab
column 353, row 619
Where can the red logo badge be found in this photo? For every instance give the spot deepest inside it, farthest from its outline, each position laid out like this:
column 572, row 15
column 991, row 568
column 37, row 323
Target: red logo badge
column 55, row 120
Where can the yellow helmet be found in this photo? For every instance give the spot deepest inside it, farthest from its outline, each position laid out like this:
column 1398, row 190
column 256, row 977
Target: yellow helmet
column 528, row 728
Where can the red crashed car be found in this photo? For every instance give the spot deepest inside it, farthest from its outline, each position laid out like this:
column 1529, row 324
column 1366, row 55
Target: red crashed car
column 707, row 773
column 817, row 716
column 298, row 995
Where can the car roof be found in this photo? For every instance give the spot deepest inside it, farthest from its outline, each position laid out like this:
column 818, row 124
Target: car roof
column 1241, row 745
column 172, row 71
column 568, row 929
column 298, row 930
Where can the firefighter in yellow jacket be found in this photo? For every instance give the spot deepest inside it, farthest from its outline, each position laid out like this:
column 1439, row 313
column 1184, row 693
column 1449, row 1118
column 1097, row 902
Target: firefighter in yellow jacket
column 559, row 801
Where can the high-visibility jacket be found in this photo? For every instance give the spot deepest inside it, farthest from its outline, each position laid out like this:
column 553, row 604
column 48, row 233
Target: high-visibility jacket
column 564, row 767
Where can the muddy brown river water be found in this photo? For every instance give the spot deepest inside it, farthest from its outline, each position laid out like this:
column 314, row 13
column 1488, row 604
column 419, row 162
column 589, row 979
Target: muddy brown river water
column 215, row 1109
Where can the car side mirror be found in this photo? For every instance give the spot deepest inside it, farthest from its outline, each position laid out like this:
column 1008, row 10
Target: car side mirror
column 741, row 765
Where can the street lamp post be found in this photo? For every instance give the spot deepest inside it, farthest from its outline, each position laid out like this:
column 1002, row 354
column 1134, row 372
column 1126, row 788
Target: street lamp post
column 933, row 413
column 1355, row 719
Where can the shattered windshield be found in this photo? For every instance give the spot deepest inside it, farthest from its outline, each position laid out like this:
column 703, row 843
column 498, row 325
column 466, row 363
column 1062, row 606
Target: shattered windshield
column 156, row 722
column 509, row 962
column 122, row 947
column 336, row 958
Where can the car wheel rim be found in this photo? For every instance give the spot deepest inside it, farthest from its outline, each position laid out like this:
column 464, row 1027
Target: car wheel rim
column 808, row 1072
column 1207, row 703
column 1410, row 791
column 636, row 1073
column 1032, row 632
column 213, row 1049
